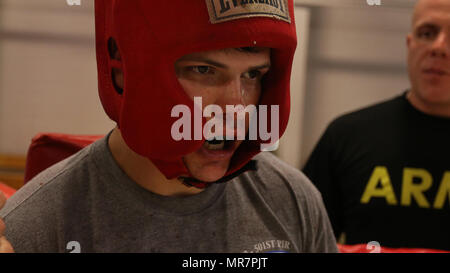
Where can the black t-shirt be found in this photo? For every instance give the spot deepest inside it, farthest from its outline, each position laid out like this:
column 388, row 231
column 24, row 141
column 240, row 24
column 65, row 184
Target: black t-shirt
column 384, row 174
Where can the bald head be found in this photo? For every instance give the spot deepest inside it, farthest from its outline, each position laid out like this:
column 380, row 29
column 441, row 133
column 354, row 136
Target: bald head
column 423, row 7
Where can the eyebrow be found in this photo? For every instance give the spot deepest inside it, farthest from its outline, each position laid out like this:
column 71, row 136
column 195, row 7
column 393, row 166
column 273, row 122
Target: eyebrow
column 427, row 24
column 221, row 65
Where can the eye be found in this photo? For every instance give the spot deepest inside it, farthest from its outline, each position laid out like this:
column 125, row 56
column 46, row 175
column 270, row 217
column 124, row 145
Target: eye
column 202, row 69
column 252, row 75
column 427, row 33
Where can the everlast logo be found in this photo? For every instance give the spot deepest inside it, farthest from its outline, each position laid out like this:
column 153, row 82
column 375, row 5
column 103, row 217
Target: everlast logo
column 226, row 10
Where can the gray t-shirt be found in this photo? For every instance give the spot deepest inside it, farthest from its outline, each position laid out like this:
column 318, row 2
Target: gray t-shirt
column 89, row 200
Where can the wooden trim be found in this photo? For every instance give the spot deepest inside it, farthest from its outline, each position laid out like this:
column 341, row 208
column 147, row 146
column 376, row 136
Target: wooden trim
column 12, row 170
column 10, row 162
column 14, row 180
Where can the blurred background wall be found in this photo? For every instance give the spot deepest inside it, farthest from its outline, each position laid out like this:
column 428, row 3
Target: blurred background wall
column 48, row 78
column 350, row 55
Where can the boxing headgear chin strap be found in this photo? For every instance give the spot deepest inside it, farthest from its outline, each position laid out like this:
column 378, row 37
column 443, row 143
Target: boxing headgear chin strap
column 152, row 34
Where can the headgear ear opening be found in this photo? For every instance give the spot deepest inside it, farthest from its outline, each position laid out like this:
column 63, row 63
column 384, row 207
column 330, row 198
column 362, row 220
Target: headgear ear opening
column 113, row 49
column 114, row 72
column 115, row 59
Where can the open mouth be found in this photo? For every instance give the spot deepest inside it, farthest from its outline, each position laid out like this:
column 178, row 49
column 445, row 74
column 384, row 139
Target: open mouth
column 217, row 144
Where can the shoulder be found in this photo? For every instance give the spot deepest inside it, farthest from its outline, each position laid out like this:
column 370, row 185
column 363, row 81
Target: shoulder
column 47, row 186
column 351, row 133
column 293, row 200
column 370, row 115
column 277, row 179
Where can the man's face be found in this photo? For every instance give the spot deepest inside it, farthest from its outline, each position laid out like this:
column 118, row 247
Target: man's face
column 221, row 77
column 429, row 52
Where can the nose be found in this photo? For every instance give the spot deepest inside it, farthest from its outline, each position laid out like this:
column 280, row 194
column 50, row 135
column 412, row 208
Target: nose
column 233, row 93
column 441, row 46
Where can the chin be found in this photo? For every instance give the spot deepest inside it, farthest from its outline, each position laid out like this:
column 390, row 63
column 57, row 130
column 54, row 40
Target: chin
column 436, row 95
column 209, row 173
column 206, row 171
column 206, row 167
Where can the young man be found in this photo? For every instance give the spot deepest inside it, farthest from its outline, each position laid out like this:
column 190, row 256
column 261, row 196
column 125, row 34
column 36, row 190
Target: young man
column 153, row 186
column 384, row 171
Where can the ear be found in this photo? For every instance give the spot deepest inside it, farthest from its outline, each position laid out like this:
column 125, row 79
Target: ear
column 409, row 40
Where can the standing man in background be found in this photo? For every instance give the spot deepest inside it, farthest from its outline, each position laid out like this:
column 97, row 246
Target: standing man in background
column 384, row 171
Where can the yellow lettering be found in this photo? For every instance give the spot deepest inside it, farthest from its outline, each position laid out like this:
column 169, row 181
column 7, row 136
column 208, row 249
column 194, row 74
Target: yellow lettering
column 443, row 192
column 410, row 189
column 380, row 175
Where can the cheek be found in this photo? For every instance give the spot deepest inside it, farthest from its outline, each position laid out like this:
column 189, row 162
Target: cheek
column 191, row 89
column 415, row 61
column 416, row 55
column 253, row 95
column 194, row 89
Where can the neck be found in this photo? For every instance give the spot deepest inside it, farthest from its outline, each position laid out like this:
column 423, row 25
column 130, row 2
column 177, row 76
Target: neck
column 142, row 171
column 429, row 108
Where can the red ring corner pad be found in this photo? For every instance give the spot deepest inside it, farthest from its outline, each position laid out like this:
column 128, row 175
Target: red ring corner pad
column 362, row 248
column 7, row 191
column 47, row 149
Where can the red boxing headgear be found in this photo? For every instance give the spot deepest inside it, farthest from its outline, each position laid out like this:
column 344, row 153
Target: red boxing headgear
column 152, row 34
